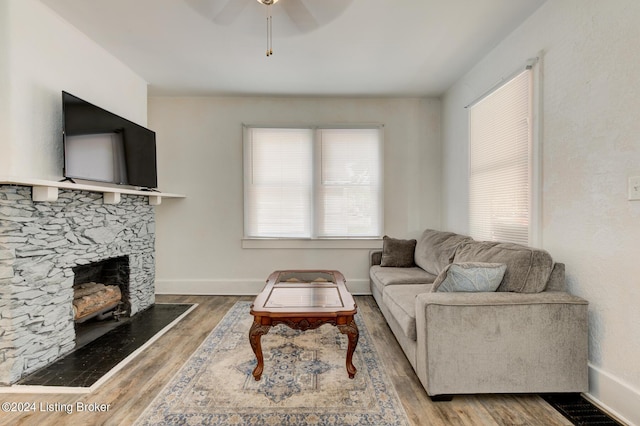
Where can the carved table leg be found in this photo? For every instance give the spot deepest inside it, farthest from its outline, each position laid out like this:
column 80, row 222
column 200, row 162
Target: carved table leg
column 255, row 333
column 351, row 330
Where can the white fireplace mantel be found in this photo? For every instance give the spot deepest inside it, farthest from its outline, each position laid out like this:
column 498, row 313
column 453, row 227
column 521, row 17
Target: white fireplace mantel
column 47, row 190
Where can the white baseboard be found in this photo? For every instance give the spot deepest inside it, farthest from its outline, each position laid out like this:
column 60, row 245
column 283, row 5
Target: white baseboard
column 614, row 396
column 235, row 287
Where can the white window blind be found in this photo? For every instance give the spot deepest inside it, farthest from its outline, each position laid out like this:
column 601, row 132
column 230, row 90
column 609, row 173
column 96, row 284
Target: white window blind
column 349, row 191
column 278, row 179
column 500, row 131
column 313, row 183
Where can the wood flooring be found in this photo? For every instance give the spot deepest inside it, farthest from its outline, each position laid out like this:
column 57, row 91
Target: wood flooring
column 133, row 388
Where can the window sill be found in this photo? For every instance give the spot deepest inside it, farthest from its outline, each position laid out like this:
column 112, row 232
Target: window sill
column 292, row 243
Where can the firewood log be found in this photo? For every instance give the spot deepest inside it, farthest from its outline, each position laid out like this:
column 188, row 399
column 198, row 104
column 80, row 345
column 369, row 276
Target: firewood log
column 95, row 302
column 87, row 289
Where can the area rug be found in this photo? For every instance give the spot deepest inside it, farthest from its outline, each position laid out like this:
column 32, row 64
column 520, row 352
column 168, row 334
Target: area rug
column 304, row 382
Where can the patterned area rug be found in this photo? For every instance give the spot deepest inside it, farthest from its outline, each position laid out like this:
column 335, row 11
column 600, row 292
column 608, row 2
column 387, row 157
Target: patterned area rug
column 304, row 382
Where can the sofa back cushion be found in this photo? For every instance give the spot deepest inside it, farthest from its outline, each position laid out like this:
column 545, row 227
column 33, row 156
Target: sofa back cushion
column 528, row 269
column 435, row 249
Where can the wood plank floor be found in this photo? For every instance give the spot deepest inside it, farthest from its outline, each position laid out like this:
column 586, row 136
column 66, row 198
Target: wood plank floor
column 134, row 387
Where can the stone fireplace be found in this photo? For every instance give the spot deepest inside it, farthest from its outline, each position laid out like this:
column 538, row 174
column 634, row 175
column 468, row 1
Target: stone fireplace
column 45, row 248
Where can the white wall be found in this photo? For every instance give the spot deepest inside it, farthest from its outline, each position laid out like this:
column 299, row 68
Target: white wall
column 591, row 145
column 42, row 55
column 4, row 85
column 200, row 154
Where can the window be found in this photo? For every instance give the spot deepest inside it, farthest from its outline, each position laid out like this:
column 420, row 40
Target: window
column 500, row 163
column 312, row 182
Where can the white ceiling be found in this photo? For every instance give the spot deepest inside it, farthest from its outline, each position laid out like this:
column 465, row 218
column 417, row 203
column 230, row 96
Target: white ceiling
column 331, row 48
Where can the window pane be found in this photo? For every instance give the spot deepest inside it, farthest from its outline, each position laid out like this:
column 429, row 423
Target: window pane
column 499, row 163
column 349, row 211
column 349, row 193
column 305, row 183
column 278, row 180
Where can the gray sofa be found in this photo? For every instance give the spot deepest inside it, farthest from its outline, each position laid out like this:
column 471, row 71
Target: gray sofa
column 529, row 336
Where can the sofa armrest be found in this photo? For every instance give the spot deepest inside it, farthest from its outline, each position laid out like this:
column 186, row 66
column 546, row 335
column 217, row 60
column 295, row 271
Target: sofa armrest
column 501, row 342
column 375, row 257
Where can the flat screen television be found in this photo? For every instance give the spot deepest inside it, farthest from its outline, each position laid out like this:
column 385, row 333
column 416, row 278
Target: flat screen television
column 101, row 146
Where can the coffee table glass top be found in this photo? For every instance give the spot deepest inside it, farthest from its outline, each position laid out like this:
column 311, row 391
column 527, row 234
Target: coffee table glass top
column 305, row 289
column 304, row 297
column 317, row 292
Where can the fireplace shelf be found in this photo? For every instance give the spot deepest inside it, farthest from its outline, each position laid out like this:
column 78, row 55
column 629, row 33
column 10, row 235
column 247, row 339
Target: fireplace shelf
column 47, row 190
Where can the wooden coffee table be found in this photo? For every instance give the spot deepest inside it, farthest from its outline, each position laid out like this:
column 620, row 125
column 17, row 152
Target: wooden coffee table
column 303, row 300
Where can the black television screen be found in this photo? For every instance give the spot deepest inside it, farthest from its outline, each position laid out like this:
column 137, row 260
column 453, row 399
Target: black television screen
column 101, row 146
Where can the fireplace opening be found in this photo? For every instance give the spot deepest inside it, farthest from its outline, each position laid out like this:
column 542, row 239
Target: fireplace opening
column 101, row 297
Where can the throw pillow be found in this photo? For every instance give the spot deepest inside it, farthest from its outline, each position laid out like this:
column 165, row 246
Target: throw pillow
column 470, row 277
column 397, row 253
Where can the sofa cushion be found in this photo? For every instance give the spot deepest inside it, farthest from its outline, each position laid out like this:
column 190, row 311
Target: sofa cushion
column 397, row 253
column 435, row 249
column 528, row 269
column 391, row 276
column 470, row 277
column 383, row 276
column 401, row 303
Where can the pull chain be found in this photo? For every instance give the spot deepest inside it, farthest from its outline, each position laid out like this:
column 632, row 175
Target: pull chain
column 269, row 32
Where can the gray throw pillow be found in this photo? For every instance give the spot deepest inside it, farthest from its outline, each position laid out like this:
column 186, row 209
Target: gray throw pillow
column 397, row 253
column 470, row 277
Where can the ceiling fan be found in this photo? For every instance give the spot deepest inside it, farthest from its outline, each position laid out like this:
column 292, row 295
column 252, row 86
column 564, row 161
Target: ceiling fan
column 306, row 15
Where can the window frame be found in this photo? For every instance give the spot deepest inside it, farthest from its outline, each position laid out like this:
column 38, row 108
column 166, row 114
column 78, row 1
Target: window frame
column 314, row 240
column 534, row 149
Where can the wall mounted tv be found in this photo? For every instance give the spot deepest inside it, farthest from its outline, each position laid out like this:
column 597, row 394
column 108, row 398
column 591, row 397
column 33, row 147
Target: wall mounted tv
column 101, row 146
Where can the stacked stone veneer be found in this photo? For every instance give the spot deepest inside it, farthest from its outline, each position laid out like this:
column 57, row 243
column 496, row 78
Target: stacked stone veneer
column 40, row 243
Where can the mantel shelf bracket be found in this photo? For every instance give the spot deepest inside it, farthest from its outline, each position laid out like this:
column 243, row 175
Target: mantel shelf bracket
column 44, row 193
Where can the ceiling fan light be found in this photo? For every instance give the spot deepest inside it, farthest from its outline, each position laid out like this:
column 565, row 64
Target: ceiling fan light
column 268, row 2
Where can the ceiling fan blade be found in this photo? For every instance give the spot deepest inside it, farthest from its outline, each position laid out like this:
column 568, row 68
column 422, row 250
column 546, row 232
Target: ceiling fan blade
column 300, row 15
column 230, row 11
column 215, row 11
